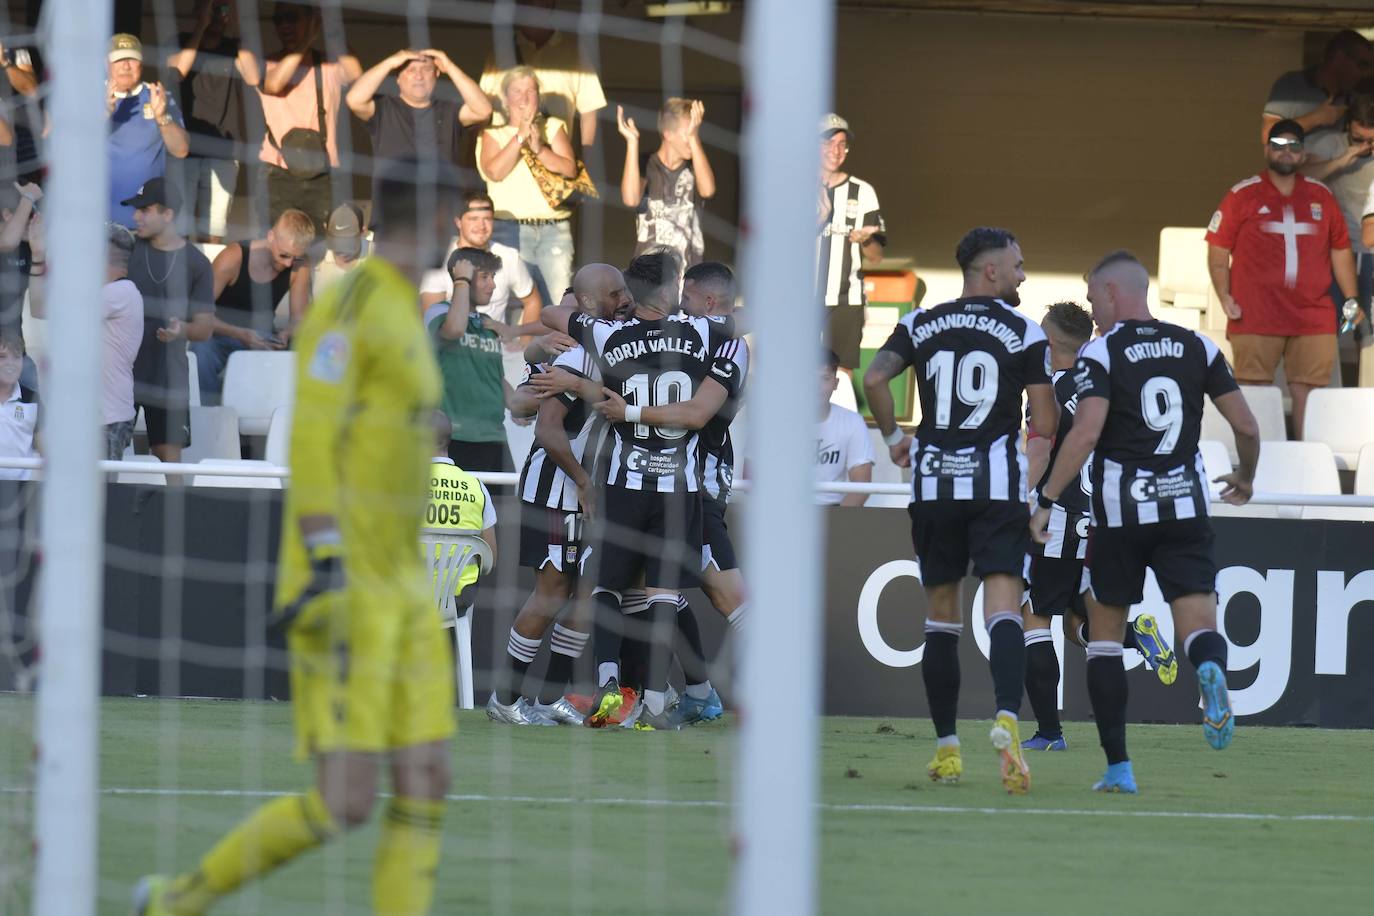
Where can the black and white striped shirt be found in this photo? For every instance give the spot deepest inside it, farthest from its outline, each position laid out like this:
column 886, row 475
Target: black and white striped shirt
column 718, row 451
column 1070, row 514
column 1146, row 467
column 653, row 363
column 840, row 275
column 542, row 481
column 973, row 358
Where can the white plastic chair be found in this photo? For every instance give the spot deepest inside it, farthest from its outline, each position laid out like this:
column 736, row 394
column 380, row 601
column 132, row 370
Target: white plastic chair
column 1342, row 418
column 1183, row 279
column 1216, row 461
column 214, row 434
column 193, row 376
column 257, row 382
column 447, row 555
column 1266, row 403
column 278, row 448
column 157, row 479
column 1290, row 467
column 231, row 480
column 1364, row 472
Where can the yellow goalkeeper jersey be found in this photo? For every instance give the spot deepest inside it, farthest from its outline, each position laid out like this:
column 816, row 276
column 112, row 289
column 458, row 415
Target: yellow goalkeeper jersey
column 366, row 385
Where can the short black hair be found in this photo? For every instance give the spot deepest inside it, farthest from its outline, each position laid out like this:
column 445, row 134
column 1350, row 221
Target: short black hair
column 410, row 189
column 712, row 273
column 976, row 241
column 651, row 273
column 442, row 427
column 1072, row 319
column 1346, row 41
column 479, row 258
column 832, row 361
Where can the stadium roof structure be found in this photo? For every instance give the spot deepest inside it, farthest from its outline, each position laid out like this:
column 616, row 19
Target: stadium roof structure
column 1268, row 14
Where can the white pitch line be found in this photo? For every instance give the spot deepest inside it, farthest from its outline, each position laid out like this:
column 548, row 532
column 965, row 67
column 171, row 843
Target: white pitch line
column 716, row 804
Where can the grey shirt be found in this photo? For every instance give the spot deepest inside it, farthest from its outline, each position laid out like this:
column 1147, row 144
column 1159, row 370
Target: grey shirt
column 1295, row 94
column 175, row 284
column 1351, row 184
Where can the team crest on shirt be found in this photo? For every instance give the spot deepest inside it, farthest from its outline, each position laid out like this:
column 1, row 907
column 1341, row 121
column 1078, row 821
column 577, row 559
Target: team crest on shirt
column 331, row 358
column 851, row 210
column 1317, row 212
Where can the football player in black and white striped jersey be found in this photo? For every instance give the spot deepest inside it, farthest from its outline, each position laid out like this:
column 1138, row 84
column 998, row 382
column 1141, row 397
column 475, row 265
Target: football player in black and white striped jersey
column 1141, row 387
column 554, row 489
column 651, row 505
column 1058, row 579
column 973, row 357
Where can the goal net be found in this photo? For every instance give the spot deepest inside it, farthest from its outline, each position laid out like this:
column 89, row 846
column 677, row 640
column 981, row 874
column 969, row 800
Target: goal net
column 148, row 683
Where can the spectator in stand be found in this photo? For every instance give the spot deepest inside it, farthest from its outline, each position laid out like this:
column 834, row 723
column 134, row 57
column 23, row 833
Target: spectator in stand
column 413, row 124
column 513, row 280
column 17, row 209
column 507, row 152
column 844, row 450
column 469, row 355
column 1273, row 246
column 18, row 408
column 21, row 116
column 570, row 88
column 1344, row 162
column 666, row 189
column 343, row 242
column 851, row 235
column 178, row 291
column 207, row 64
column 122, row 305
column 145, row 126
column 302, row 90
column 1317, row 98
column 251, row 278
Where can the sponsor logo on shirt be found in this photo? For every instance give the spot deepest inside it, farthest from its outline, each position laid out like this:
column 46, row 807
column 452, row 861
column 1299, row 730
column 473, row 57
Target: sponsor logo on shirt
column 1172, row 486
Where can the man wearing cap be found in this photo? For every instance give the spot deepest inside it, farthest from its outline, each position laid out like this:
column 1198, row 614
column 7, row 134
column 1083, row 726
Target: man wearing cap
column 411, row 123
column 343, row 239
column 1274, row 244
column 145, row 125
column 851, row 235
column 178, row 291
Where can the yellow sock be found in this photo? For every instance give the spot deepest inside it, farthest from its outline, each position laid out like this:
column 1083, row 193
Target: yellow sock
column 274, row 834
column 407, row 857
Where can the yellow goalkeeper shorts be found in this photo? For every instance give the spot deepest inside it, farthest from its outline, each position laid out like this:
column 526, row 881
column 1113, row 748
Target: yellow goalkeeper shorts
column 376, row 675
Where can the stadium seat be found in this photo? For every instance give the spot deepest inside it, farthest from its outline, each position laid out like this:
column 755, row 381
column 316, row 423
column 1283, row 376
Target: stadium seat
column 1290, row 467
column 278, row 448
column 1183, row 279
column 157, row 479
column 1364, row 472
column 447, row 554
column 1343, row 419
column 1216, row 461
column 257, row 382
column 884, row 471
column 230, row 480
column 1266, row 403
column 214, row 434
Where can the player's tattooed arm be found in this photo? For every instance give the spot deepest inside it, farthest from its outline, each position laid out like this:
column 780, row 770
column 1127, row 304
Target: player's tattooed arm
column 885, row 367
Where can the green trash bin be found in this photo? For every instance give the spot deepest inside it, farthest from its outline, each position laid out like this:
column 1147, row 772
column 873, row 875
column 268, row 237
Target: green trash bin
column 891, row 294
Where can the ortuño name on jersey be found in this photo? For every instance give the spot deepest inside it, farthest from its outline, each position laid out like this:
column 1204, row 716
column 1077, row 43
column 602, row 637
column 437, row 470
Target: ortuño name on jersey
column 1154, row 349
column 634, row 349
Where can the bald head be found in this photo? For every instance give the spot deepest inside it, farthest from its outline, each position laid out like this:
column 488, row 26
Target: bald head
column 1118, row 288
column 600, row 290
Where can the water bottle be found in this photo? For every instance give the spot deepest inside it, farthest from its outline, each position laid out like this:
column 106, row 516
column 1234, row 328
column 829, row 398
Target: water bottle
column 1350, row 311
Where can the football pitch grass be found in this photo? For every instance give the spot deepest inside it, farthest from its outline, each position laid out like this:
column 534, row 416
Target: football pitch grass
column 572, row 820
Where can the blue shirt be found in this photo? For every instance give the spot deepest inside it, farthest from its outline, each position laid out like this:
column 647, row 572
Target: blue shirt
column 135, row 149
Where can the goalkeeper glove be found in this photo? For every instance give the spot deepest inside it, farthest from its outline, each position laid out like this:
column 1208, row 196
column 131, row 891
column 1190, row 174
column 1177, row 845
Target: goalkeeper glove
column 326, row 579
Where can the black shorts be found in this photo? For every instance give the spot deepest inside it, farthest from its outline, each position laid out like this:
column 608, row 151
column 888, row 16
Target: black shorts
column 1057, row 586
column 845, row 333
column 480, row 456
column 717, row 550
column 550, row 536
column 642, row 531
column 168, row 424
column 1180, row 553
column 949, row 534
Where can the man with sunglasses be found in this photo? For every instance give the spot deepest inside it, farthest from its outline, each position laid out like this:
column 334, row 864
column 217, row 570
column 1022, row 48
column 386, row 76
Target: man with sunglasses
column 1274, row 244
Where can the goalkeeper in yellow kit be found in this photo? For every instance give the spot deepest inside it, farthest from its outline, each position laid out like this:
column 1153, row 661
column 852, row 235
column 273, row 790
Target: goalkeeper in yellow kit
column 371, row 670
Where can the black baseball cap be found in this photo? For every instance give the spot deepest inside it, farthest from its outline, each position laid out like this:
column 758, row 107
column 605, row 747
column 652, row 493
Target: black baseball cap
column 1287, row 128
column 155, row 191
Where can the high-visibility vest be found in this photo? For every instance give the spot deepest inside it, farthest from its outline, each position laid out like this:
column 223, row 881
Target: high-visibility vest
column 456, row 501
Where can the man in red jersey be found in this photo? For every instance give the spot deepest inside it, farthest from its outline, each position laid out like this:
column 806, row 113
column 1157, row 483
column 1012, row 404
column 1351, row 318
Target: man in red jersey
column 1273, row 245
